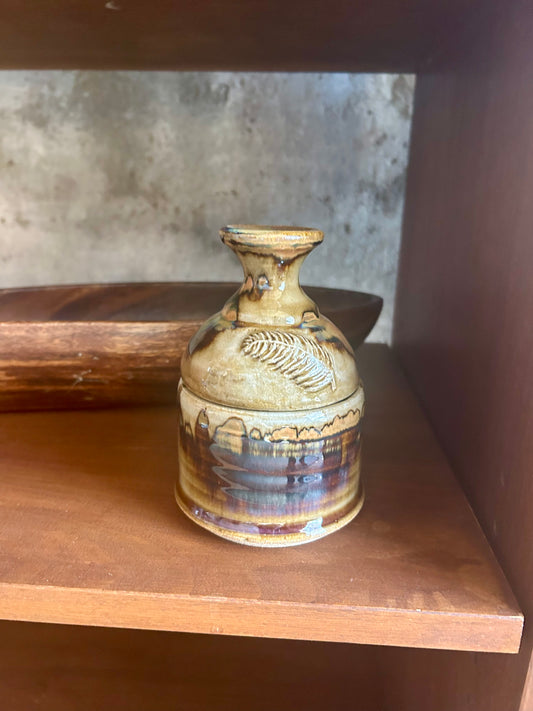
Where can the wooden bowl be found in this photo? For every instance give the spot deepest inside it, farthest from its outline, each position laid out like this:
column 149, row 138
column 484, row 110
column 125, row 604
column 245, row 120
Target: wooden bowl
column 99, row 345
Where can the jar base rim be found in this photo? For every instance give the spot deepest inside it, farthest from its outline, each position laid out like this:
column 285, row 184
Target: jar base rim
column 281, row 540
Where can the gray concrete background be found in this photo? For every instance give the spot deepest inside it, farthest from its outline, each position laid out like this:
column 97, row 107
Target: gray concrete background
column 127, row 176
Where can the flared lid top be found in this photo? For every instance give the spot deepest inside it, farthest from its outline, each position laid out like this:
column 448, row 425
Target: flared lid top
column 271, row 238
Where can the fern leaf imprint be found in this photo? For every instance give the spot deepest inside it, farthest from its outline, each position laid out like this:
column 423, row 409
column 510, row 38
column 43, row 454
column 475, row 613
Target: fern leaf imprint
column 298, row 357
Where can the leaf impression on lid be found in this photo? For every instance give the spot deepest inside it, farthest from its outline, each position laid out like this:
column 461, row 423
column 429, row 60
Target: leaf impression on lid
column 298, row 357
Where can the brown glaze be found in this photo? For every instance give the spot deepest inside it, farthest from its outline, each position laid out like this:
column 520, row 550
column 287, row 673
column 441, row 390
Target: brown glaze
column 270, row 405
column 282, row 330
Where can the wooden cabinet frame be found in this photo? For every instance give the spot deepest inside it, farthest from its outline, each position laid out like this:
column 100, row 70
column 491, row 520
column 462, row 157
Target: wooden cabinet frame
column 463, row 330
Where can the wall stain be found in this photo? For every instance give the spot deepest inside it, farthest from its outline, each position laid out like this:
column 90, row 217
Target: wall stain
column 201, row 91
column 388, row 197
column 402, row 95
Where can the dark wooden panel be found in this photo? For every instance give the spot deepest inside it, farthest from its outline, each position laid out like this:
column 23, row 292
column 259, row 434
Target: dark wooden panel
column 91, row 535
column 61, row 668
column 464, row 324
column 316, row 35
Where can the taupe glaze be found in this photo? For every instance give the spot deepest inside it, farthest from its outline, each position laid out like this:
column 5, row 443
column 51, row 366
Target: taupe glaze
column 270, row 405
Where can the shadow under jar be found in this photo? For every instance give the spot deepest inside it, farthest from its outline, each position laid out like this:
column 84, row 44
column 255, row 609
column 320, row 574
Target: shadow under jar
column 270, row 405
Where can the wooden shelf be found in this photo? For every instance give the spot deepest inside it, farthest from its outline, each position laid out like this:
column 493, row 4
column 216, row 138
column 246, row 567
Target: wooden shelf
column 60, row 668
column 91, row 535
column 343, row 35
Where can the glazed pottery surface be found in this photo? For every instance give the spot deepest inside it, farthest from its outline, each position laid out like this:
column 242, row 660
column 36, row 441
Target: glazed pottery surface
column 270, row 405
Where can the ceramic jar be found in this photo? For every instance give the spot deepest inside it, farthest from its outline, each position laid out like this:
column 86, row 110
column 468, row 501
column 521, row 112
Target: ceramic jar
column 270, row 405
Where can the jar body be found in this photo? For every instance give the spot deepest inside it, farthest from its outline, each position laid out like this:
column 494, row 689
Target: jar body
column 270, row 405
column 267, row 478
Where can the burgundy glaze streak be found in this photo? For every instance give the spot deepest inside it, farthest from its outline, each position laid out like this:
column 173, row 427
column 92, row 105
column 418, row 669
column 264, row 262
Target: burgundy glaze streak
column 258, row 480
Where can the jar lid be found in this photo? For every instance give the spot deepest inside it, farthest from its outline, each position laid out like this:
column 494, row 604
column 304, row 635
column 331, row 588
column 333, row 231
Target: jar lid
column 269, row 348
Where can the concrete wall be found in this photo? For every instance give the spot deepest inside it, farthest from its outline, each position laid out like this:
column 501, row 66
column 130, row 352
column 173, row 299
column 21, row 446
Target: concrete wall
column 126, row 176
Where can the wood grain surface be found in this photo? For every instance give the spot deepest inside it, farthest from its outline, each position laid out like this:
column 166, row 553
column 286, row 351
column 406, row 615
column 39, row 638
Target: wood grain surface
column 464, row 327
column 60, row 668
column 343, row 35
column 91, row 535
column 121, row 344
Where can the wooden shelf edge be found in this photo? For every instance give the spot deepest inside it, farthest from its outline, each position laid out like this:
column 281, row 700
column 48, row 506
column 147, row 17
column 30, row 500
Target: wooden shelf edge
column 346, row 35
column 226, row 616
